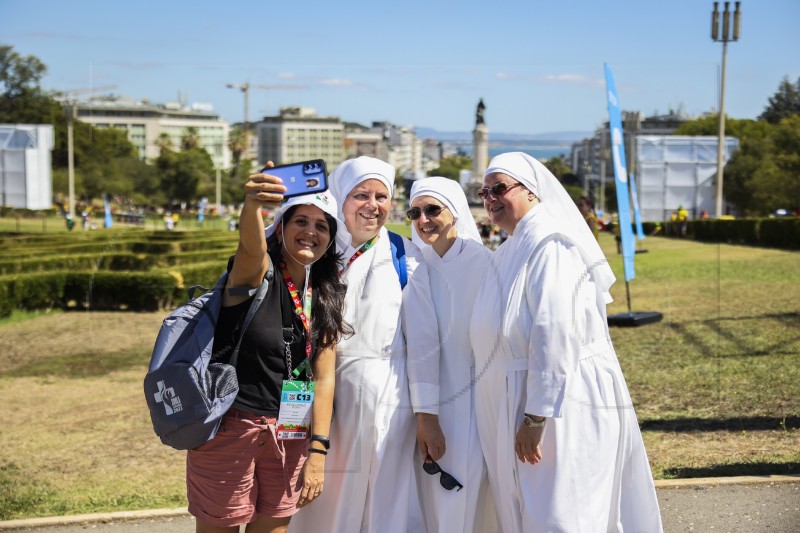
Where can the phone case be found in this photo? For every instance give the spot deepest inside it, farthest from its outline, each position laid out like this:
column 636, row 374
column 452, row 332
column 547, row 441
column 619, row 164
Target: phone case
column 301, row 178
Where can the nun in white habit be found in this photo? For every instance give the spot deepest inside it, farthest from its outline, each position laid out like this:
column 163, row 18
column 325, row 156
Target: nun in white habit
column 369, row 472
column 442, row 388
column 555, row 418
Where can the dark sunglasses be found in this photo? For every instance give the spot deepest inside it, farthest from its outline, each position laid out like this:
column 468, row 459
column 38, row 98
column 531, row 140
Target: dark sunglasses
column 430, row 210
column 497, row 190
column 446, row 480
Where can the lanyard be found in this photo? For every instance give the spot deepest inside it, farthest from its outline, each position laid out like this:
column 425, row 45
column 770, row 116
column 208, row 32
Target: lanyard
column 364, row 247
column 303, row 310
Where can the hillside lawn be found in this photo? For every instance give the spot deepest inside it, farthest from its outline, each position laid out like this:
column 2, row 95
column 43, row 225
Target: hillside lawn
column 716, row 384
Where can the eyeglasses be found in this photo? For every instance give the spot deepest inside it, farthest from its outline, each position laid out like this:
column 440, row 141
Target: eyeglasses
column 446, row 480
column 430, row 210
column 497, row 190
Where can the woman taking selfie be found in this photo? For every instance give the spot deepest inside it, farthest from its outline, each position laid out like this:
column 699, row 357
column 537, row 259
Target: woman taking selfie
column 254, row 472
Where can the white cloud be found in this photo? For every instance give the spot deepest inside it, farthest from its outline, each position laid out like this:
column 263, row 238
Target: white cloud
column 575, row 79
column 337, row 82
column 286, row 75
column 571, row 79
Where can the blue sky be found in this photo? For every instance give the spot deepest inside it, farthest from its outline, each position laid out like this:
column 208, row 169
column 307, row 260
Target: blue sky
column 538, row 64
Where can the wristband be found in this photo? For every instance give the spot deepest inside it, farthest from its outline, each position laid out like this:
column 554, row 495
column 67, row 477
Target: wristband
column 317, row 450
column 322, row 439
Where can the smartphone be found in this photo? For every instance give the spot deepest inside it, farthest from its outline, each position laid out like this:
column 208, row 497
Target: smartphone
column 301, row 178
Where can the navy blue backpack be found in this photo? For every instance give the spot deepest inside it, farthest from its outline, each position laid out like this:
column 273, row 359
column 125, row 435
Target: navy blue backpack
column 186, row 393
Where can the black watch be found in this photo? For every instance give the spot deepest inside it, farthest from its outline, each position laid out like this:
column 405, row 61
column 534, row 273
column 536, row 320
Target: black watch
column 322, row 439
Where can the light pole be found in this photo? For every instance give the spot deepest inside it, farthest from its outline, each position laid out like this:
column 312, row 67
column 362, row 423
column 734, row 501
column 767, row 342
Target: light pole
column 218, row 187
column 724, row 39
column 71, row 111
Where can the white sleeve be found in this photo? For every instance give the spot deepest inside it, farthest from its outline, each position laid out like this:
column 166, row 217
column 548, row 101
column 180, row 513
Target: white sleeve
column 556, row 293
column 421, row 330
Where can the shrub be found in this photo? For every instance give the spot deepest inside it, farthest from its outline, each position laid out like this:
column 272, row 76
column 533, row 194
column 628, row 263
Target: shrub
column 781, row 232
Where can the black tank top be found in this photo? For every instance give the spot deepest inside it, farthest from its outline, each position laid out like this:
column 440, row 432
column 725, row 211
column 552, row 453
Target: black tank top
column 261, row 366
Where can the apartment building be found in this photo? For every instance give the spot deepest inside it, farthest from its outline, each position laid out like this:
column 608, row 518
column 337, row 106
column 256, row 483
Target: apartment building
column 145, row 121
column 298, row 134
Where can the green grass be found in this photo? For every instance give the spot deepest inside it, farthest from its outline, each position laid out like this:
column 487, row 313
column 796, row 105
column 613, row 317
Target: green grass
column 716, row 384
column 21, row 316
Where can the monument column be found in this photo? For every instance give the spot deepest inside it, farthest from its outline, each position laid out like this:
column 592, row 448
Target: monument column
column 480, row 153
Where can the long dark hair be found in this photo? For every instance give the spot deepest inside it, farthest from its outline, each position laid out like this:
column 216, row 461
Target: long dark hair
column 327, row 318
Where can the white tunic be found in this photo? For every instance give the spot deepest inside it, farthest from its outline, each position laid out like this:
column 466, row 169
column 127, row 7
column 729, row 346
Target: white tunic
column 369, row 484
column 541, row 338
column 445, row 386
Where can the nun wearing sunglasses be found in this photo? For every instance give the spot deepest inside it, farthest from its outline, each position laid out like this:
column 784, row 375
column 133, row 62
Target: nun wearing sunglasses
column 556, row 422
column 450, row 468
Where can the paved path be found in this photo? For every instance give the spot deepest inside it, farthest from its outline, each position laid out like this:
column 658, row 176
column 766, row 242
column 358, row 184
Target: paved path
column 736, row 505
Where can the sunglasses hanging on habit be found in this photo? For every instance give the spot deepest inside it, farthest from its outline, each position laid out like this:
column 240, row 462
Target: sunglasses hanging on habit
column 446, row 480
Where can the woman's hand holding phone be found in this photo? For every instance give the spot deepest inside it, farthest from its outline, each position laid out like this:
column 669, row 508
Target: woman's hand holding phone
column 264, row 189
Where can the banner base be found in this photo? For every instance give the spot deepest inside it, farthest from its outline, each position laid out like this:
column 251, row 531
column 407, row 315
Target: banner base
column 632, row 320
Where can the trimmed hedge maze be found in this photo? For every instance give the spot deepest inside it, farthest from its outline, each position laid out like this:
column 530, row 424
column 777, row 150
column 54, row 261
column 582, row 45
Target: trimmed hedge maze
column 126, row 269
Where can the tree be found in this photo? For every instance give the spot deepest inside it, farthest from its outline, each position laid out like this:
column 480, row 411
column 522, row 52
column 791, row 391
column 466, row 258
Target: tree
column 558, row 167
column 709, row 125
column 237, row 142
column 22, row 100
column 450, row 167
column 784, row 103
column 190, row 138
column 164, row 143
column 764, row 174
column 185, row 175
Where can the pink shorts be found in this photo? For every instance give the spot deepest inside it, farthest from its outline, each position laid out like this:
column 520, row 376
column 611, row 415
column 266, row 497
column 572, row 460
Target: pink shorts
column 241, row 472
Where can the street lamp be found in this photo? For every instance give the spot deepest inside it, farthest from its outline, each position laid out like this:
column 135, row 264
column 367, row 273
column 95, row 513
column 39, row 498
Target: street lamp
column 71, row 111
column 724, row 39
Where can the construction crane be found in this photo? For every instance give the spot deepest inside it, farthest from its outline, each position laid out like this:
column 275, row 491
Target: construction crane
column 71, row 109
column 245, row 88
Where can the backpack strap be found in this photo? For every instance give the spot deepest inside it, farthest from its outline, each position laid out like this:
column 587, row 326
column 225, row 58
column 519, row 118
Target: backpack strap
column 261, row 293
column 399, row 257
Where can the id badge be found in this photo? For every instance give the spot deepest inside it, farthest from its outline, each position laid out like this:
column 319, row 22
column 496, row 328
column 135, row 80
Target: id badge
column 294, row 417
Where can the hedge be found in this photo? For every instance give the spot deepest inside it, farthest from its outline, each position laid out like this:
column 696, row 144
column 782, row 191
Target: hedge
column 137, row 291
column 109, row 261
column 783, row 232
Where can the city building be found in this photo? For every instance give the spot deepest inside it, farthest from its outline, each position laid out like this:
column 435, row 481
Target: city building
column 299, row 134
column 145, row 121
column 404, row 148
column 591, row 159
column 360, row 140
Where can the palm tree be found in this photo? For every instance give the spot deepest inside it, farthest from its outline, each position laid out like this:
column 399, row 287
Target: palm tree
column 190, row 138
column 164, row 143
column 237, row 142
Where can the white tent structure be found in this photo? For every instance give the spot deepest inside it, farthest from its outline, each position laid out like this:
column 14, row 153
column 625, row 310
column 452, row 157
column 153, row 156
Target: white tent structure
column 675, row 170
column 25, row 165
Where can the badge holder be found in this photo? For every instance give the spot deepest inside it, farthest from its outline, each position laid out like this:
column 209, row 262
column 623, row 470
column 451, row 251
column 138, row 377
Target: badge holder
column 297, row 397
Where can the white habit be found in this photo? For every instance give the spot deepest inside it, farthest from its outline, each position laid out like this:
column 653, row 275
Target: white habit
column 369, row 476
column 542, row 346
column 446, row 387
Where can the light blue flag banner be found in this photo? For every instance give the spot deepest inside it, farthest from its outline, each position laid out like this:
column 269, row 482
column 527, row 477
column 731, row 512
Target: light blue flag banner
column 108, row 221
column 201, row 212
column 620, row 176
column 637, row 215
